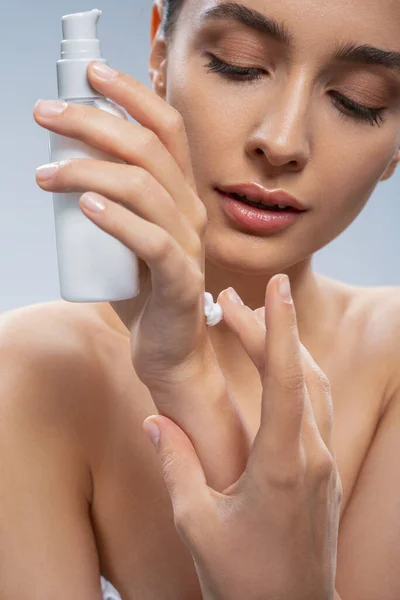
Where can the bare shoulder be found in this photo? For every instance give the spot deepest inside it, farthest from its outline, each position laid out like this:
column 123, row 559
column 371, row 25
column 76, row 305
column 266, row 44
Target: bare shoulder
column 375, row 309
column 63, row 324
column 360, row 297
column 52, row 337
column 49, row 348
column 69, row 334
column 372, row 318
column 384, row 334
column 379, row 309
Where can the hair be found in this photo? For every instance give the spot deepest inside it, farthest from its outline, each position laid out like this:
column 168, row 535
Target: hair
column 172, row 10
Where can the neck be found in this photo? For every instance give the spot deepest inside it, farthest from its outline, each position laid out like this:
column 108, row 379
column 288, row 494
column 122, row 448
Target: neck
column 306, row 291
column 310, row 295
column 316, row 310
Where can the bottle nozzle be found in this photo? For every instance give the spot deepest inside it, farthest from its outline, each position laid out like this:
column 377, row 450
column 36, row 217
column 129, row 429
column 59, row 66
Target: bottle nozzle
column 80, row 38
column 81, row 26
column 79, row 47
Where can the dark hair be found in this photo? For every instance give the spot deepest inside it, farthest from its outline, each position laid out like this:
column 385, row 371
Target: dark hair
column 172, row 10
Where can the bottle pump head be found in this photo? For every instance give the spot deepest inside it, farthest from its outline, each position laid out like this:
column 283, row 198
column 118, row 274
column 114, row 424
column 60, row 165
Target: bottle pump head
column 79, row 47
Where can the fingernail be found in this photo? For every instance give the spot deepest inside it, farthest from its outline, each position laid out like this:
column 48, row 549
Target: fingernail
column 152, row 431
column 233, row 296
column 284, row 289
column 50, row 108
column 259, row 315
column 47, row 171
column 92, row 203
column 103, row 71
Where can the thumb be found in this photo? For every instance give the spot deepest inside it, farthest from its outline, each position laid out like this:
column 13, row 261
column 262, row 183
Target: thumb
column 182, row 470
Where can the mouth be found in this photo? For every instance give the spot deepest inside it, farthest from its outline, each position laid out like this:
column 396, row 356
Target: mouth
column 260, row 217
column 262, row 205
column 260, row 197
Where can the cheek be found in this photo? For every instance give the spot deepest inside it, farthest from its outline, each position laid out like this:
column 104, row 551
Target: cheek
column 351, row 177
column 208, row 118
column 347, row 160
column 206, row 123
column 353, row 174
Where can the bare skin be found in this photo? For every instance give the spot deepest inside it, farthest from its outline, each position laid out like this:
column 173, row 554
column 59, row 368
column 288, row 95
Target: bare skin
column 126, row 495
column 108, row 468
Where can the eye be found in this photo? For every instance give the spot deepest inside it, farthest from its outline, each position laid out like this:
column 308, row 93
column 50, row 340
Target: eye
column 241, row 73
column 358, row 112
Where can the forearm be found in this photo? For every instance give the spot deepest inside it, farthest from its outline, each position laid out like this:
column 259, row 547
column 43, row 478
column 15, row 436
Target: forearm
column 217, row 430
column 337, row 597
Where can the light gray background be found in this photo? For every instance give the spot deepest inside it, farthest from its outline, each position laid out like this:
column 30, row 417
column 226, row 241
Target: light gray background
column 366, row 254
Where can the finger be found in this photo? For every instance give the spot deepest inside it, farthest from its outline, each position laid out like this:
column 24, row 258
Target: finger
column 182, row 470
column 321, row 419
column 284, row 386
column 146, row 107
column 248, row 327
column 132, row 144
column 158, row 249
column 131, row 186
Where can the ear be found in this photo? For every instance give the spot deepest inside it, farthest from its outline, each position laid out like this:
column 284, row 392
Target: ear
column 392, row 167
column 157, row 59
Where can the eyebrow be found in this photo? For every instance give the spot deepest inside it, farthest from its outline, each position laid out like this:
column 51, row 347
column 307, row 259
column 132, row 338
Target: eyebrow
column 346, row 52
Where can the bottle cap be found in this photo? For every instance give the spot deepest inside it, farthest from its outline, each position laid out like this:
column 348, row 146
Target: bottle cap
column 79, row 47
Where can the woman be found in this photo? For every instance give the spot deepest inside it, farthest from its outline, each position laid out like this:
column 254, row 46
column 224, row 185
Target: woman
column 107, row 509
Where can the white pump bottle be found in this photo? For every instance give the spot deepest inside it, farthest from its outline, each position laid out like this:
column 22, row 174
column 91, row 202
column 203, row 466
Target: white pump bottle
column 93, row 266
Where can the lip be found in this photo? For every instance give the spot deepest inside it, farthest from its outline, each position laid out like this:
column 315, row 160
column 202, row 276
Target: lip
column 260, row 220
column 257, row 193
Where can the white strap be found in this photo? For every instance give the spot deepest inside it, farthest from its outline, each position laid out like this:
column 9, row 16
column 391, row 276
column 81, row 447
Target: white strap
column 109, row 592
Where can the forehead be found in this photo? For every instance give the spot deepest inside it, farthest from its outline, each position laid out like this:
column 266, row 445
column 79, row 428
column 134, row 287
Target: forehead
column 365, row 21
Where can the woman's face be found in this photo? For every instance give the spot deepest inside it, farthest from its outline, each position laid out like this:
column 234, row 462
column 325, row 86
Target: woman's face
column 290, row 127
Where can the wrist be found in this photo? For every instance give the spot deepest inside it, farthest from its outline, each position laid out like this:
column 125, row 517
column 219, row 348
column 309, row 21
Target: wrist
column 201, row 367
column 200, row 383
column 199, row 401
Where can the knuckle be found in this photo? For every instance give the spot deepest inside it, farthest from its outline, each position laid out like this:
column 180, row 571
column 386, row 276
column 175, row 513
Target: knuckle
column 293, row 379
column 176, row 123
column 285, row 474
column 316, row 374
column 326, row 387
column 141, row 180
column 196, row 245
column 160, row 246
column 323, row 466
column 199, row 216
column 202, row 220
column 286, row 479
column 324, row 382
column 189, row 298
column 78, row 115
column 140, row 177
column 198, row 285
column 330, row 418
column 148, row 140
column 168, row 462
column 197, row 281
column 69, row 173
column 66, row 167
column 182, row 516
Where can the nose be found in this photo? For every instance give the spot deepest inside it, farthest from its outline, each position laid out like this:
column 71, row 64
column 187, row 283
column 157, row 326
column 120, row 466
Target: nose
column 282, row 137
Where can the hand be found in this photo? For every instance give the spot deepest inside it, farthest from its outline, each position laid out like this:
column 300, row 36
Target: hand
column 273, row 533
column 152, row 207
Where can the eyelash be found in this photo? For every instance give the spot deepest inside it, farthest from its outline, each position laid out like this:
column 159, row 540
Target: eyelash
column 360, row 113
